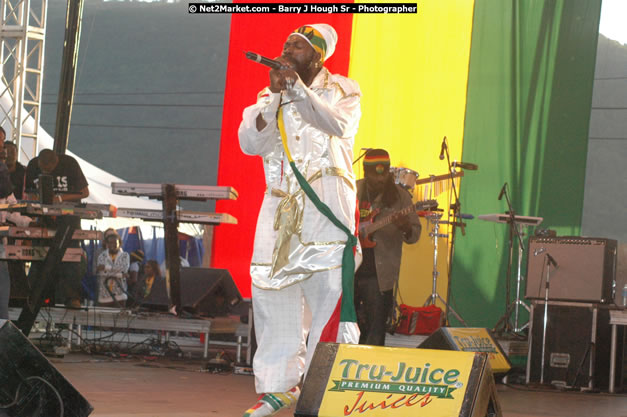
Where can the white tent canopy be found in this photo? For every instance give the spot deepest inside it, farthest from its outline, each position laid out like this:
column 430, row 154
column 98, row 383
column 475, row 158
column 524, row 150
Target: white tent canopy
column 99, row 180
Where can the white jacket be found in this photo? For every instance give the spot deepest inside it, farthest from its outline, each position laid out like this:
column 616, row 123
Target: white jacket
column 293, row 239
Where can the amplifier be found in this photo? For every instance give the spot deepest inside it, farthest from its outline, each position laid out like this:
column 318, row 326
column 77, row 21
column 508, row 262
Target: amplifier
column 585, row 271
column 577, row 346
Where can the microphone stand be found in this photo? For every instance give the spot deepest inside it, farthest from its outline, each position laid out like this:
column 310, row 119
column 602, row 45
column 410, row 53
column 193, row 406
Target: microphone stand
column 513, row 230
column 365, row 151
column 549, row 260
column 457, row 221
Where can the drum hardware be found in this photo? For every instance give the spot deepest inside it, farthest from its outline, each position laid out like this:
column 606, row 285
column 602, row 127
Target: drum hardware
column 516, row 224
column 434, row 219
column 434, row 185
column 404, row 177
column 455, row 219
column 520, row 222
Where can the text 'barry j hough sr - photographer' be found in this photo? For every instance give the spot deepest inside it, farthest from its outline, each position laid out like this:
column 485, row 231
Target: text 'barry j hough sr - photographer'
column 299, row 8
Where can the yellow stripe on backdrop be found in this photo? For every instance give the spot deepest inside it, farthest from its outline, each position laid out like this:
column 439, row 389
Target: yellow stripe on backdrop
column 413, row 73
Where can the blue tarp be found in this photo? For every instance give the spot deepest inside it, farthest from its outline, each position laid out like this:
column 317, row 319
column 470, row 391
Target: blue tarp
column 191, row 250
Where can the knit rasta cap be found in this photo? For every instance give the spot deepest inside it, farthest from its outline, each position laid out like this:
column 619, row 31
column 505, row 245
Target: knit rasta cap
column 377, row 159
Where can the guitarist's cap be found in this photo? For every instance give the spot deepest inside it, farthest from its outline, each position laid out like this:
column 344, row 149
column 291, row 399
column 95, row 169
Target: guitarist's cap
column 377, row 159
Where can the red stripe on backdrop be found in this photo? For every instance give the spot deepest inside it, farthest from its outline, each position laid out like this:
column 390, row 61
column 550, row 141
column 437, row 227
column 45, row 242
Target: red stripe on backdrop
column 265, row 35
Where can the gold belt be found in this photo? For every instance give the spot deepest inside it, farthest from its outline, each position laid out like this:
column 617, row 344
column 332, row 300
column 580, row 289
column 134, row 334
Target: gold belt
column 348, row 178
column 289, row 214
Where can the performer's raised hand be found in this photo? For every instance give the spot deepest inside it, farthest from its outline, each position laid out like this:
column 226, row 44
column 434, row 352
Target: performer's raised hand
column 283, row 79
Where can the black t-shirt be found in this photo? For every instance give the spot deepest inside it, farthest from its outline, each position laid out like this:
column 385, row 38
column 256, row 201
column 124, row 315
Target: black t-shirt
column 17, row 179
column 67, row 176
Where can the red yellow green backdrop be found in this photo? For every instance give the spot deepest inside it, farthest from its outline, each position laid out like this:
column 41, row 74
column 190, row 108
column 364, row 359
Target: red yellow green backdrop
column 508, row 83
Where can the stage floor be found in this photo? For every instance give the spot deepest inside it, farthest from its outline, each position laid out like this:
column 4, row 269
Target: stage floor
column 141, row 387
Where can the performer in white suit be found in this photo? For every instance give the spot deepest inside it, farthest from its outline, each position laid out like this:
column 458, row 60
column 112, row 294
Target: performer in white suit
column 297, row 261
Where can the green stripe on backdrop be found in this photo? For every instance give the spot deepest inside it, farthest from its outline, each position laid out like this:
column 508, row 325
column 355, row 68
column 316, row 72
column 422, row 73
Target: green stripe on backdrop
column 527, row 115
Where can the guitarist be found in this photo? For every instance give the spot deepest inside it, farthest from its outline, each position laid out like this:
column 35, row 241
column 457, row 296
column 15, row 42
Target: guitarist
column 379, row 197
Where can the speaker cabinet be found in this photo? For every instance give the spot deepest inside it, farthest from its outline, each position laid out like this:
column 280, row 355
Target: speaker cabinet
column 585, row 272
column 41, row 386
column 577, row 347
column 204, row 291
column 19, row 284
column 468, row 339
column 358, row 380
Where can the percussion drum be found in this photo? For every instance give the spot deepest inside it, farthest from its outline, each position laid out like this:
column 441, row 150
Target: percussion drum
column 404, row 177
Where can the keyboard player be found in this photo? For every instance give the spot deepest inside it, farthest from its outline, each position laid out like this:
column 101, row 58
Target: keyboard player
column 68, row 185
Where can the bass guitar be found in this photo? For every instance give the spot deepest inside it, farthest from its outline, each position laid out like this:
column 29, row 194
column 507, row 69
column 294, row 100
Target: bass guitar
column 369, row 225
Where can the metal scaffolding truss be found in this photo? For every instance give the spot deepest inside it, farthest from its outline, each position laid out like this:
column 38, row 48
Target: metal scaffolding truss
column 22, row 34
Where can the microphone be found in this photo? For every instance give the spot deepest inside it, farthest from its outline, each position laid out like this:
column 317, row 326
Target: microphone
column 443, row 148
column 539, row 251
column 502, row 191
column 264, row 61
column 465, row 165
column 551, row 260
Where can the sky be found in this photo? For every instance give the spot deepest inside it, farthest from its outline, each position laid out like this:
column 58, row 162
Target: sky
column 613, row 17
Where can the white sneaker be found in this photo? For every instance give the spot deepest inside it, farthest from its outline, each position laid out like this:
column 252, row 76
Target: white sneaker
column 271, row 403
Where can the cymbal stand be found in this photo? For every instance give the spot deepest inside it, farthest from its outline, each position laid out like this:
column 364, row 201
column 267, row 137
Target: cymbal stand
column 454, row 220
column 518, row 301
column 503, row 325
column 434, row 219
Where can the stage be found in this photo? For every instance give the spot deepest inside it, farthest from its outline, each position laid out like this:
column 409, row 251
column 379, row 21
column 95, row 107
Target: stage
column 121, row 387
column 182, row 374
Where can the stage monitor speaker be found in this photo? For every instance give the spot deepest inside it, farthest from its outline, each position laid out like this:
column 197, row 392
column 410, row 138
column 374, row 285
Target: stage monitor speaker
column 585, row 272
column 204, row 291
column 467, row 339
column 356, row 380
column 577, row 348
column 20, row 288
column 31, row 383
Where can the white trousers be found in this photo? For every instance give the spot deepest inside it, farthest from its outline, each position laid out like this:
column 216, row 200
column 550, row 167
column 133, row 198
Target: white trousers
column 284, row 318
